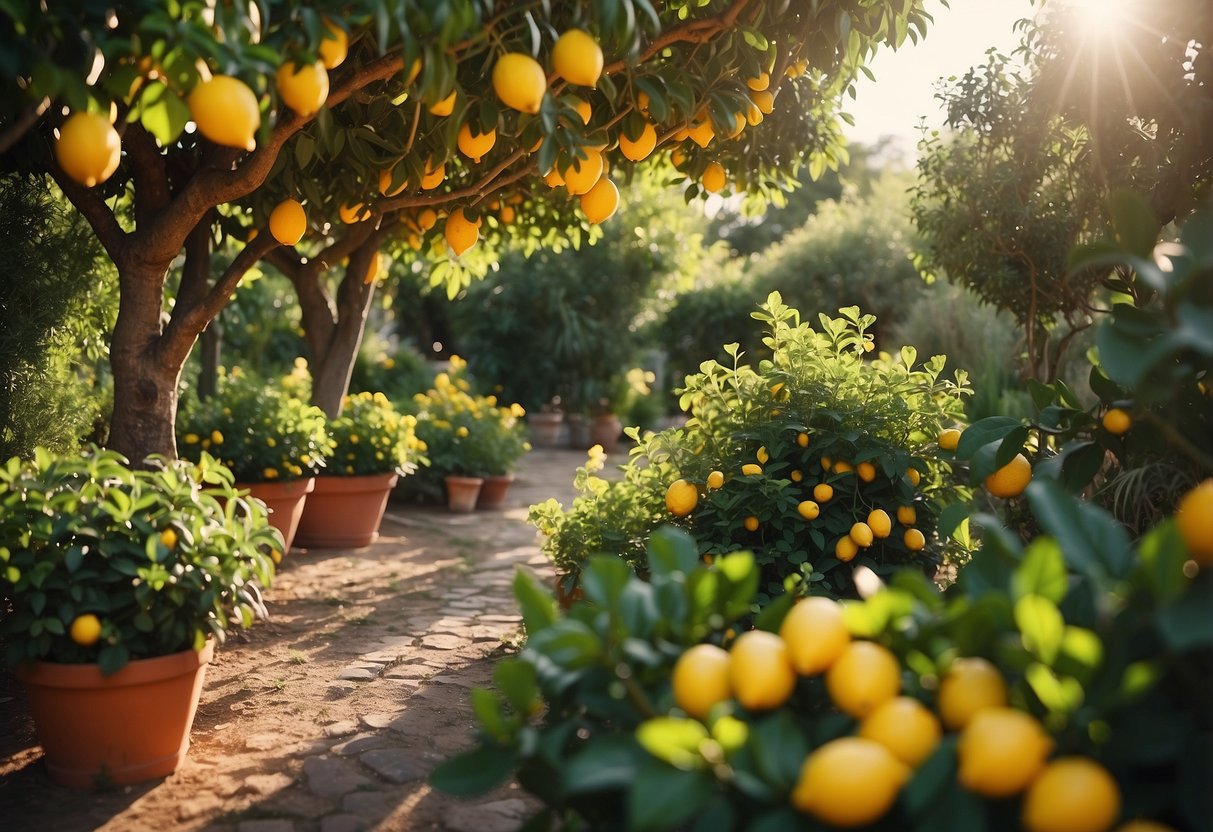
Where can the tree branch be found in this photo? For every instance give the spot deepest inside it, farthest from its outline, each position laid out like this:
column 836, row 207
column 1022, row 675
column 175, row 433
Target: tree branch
column 477, row 189
column 693, row 31
column 285, row 260
column 150, row 172
column 13, row 133
column 196, row 272
column 91, row 205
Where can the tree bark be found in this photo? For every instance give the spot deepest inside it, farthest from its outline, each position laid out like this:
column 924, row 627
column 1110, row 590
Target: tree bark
column 333, row 366
column 210, row 344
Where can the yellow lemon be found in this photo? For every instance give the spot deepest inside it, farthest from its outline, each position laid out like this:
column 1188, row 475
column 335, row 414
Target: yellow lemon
column 823, row 492
column 1072, row 794
column 713, row 179
column 226, row 112
column 168, row 538
column 949, row 439
column 352, row 214
column 1194, row 517
column 970, row 685
column 1001, row 751
column 843, row 467
column 763, row 100
column 906, row 515
column 861, row 534
column 715, row 479
column 750, row 523
column 1011, row 479
column 519, row 82
column 288, row 222
column 753, row 115
column 86, row 630
column 475, row 145
column 88, row 148
column 433, row 176
column 761, row 455
column 444, row 107
column 600, row 202
column 802, row 439
column 845, row 549
column 904, row 726
column 385, row 183
column 584, row 112
column 335, row 45
column 553, row 178
column 427, row 218
column 880, row 523
column 701, row 679
column 639, row 149
column 866, row 471
column 460, row 232
column 865, row 676
column 760, row 83
column 577, row 58
column 914, row 540
column 681, row 498
column 826, row 463
column 303, row 88
column 848, row 782
column 751, row 469
column 808, row 509
column 796, row 475
column 913, row 476
column 583, row 174
column 1117, row 421
column 507, row 214
column 760, row 671
column 815, row 635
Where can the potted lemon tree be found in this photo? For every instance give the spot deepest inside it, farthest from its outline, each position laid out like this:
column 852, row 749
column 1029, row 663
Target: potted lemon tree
column 115, row 586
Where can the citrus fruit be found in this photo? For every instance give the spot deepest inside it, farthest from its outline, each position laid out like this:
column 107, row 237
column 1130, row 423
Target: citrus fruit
column 1195, row 520
column 553, row 178
column 577, row 58
column 864, row 676
column 583, row 174
column 760, row 670
column 843, row 467
column 433, row 176
column 866, row 471
column 970, row 685
column 507, row 214
column 913, row 476
column 475, row 145
column 861, row 534
column 444, row 107
column 907, row 515
column 584, row 111
column 703, row 132
column 88, row 148
column 802, row 439
column 826, row 462
column 86, row 629
column 681, row 498
column 751, row 469
column 385, row 183
column 815, row 635
column 949, row 439
column 845, row 549
column 904, row 726
column 519, row 82
column 808, row 509
column 303, row 88
column 880, row 523
column 760, row 83
column 1011, row 479
column 226, row 112
column 761, row 455
column 1001, row 751
column 460, row 232
column 352, row 214
column 600, row 202
column 823, row 492
column 639, row 149
column 288, row 222
column 1072, row 794
column 335, row 45
column 796, row 475
column 914, row 540
column 715, row 479
column 1117, row 421
column 750, row 523
column 427, row 218
column 168, row 538
column 713, row 178
column 701, row 679
column 763, row 100
column 851, row 781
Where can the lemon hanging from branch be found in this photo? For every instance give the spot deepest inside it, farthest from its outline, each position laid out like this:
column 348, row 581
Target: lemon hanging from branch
column 303, row 88
column 577, row 58
column 288, row 222
column 460, row 232
column 88, row 149
column 519, row 82
column 226, row 112
column 600, row 202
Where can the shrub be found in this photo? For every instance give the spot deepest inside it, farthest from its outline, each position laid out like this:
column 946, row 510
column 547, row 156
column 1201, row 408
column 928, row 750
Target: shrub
column 399, row 372
column 372, row 437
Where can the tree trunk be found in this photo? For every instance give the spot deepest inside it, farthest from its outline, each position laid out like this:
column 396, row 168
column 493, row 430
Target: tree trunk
column 333, row 364
column 210, row 343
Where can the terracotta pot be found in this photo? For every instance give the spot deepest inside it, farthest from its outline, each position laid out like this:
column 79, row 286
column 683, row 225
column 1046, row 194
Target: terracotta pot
column 605, row 430
column 115, row 730
column 344, row 512
column 579, row 432
column 462, row 492
column 285, row 501
column 545, row 429
column 494, row 490
column 568, row 590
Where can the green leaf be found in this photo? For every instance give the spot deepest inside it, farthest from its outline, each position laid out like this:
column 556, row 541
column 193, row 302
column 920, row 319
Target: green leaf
column 475, row 772
column 672, row 550
column 674, row 740
column 568, row 642
column 935, row 776
column 1161, row 555
column 537, row 607
column 779, row 749
column 663, row 797
column 1042, row 572
column 604, row 578
column 1133, row 223
column 983, row 432
column 951, row 517
column 162, row 113
column 1091, row 540
column 1186, row 624
column 1061, row 694
column 1041, row 625
column 605, row 764
column 516, row 679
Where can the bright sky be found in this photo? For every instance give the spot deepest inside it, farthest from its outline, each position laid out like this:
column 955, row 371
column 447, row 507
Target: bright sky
column 904, row 90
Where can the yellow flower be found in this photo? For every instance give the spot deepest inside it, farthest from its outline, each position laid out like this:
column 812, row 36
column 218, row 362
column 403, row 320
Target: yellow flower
column 517, row 411
column 379, row 455
column 442, row 380
column 526, row 446
column 296, row 470
column 380, row 398
column 461, row 431
column 457, row 363
column 217, row 437
column 306, row 459
column 389, row 363
column 191, row 439
column 491, row 401
column 301, row 363
column 270, row 473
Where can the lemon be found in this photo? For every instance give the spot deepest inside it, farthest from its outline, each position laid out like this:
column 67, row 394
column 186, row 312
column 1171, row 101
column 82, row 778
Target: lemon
column 639, row 149
column 1011, row 479
column 907, row 515
column 760, row 670
column 845, row 549
column 583, row 174
column 385, row 183
column 168, row 538
column 904, row 726
column 433, row 176
column 681, row 498
column 703, row 132
column 796, row 475
column 553, row 178
column 519, row 82
column 715, row 479
column 354, row 213
column 584, row 112
column 913, row 476
column 288, row 222
column 577, row 58
column 761, row 455
column 851, row 781
column 1001, row 751
column 949, row 439
column 86, row 630
column 460, row 232
column 475, row 145
column 226, row 112
column 823, row 492
column 866, row 471
column 507, row 214
column 914, row 540
column 970, row 686
column 1194, row 518
column 764, row 101
column 865, row 676
column 760, row 83
column 88, row 148
column 335, row 45
column 701, row 679
column 862, row 535
column 808, row 509
column 372, row 272
column 303, row 88
column 750, row 523
column 600, row 202
column 880, row 523
column 826, row 462
column 713, row 178
column 753, row 115
column 1117, row 421
column 444, row 107
column 751, row 469
column 815, row 635
column 843, row 467
column 1072, row 794
column 802, row 439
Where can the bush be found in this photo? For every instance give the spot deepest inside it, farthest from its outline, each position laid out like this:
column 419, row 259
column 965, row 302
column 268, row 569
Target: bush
column 399, row 371
column 372, row 437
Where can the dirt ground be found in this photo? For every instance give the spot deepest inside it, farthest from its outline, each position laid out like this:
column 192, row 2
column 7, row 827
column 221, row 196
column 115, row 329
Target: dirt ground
column 329, row 716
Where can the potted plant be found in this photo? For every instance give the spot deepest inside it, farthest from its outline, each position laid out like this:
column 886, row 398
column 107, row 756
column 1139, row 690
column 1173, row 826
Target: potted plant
column 273, row 441
column 499, row 441
column 115, row 585
column 545, row 424
column 373, row 444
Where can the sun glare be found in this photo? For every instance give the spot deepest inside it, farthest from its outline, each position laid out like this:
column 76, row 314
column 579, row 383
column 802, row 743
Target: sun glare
column 1103, row 16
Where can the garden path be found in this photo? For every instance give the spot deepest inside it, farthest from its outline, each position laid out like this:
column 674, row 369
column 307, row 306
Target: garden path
column 329, row 717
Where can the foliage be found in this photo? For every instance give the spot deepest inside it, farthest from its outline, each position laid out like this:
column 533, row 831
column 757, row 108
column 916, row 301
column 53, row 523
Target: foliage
column 261, row 327
column 259, row 430
column 884, row 414
column 398, row 370
column 1108, row 645
column 165, row 558
column 372, row 437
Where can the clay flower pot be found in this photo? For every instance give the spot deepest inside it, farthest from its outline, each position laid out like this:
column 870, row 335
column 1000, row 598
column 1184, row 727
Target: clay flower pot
column 579, row 431
column 462, row 492
column 605, row 430
column 285, row 500
column 545, row 428
column 494, row 490
column 344, row 512
column 115, row 730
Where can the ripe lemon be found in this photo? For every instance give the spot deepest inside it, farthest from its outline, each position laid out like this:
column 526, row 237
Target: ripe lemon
column 433, row 176
column 880, row 523
column 826, row 462
column 751, row 469
column 577, row 58
column 851, row 781
column 519, row 82
column 352, row 214
column 444, row 107
column 701, row 679
column 970, row 685
column 1117, row 421
column 866, row 471
column 583, row 174
column 553, row 178
column 862, row 535
column 760, row 83
column 303, row 88
column 600, row 202
column 226, row 112
column 86, row 630
column 507, row 214
column 713, row 179
column 1011, row 479
column 460, row 232
column 796, row 475
column 907, row 515
column 88, row 148
column 1001, row 751
column 1195, row 520
column 949, row 439
column 802, row 439
column 761, row 455
column 678, row 157
column 764, row 101
column 914, row 540
column 843, row 467
column 288, row 222
column 760, row 670
column 913, row 476
column 385, row 183
column 865, row 676
column 1072, row 794
column 904, row 726
column 427, row 218
column 715, row 479
column 639, row 149
column 475, row 145
column 168, row 538
column 845, row 549
column 584, row 111
column 335, row 45
column 808, row 509
column 750, row 523
column 703, row 132
column 681, row 498
column 823, row 492
column 815, row 635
